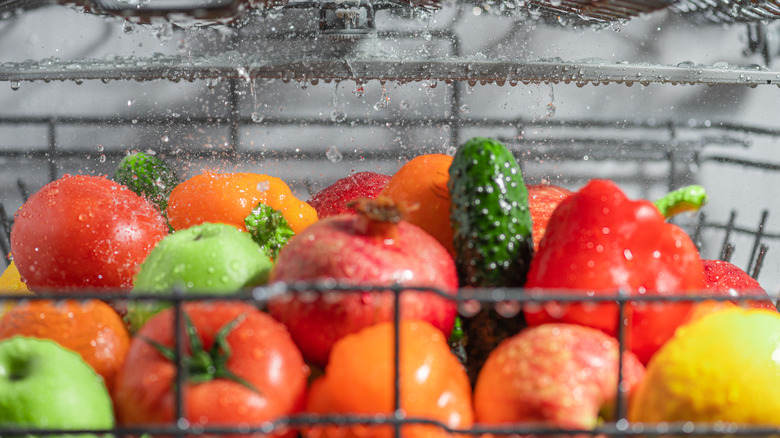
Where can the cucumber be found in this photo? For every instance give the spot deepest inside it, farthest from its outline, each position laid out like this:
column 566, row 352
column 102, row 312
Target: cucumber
column 489, row 214
column 148, row 177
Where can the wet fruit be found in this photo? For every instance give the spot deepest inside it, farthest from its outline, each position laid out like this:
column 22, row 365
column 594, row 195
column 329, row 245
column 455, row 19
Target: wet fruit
column 726, row 279
column 75, row 396
column 11, row 284
column 83, row 232
column 421, row 185
column 359, row 379
column 90, row 328
column 203, row 259
column 559, row 375
column 373, row 248
column 543, row 199
column 242, row 369
column 722, row 367
column 333, row 200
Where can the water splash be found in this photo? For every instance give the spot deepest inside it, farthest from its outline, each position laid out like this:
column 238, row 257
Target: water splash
column 333, row 154
column 337, row 115
column 384, row 99
column 550, row 109
column 257, row 106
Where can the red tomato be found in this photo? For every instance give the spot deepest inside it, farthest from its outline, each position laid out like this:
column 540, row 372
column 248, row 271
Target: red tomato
column 261, row 353
column 83, row 232
column 359, row 379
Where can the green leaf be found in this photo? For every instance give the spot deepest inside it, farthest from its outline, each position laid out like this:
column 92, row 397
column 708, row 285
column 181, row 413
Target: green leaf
column 269, row 229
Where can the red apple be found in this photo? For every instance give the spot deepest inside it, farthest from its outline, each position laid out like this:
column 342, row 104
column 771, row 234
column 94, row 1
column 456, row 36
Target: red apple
column 726, row 279
column 559, row 375
column 332, row 200
column 542, row 201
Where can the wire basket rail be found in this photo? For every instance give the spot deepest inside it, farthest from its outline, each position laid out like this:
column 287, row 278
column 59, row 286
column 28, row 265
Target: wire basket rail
column 397, row 418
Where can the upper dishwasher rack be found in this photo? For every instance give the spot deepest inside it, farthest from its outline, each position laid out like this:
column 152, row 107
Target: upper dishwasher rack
column 337, row 40
column 580, row 11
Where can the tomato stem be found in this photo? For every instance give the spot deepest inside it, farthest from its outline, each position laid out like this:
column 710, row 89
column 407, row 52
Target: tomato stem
column 204, row 366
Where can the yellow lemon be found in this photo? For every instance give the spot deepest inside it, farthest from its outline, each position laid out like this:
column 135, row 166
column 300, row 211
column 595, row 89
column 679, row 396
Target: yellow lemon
column 723, row 366
column 11, row 283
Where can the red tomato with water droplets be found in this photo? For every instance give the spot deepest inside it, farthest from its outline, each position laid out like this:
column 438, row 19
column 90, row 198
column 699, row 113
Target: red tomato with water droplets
column 83, row 232
column 257, row 349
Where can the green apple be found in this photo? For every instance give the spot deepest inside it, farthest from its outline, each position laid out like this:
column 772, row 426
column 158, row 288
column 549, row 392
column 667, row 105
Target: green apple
column 45, row 386
column 207, row 259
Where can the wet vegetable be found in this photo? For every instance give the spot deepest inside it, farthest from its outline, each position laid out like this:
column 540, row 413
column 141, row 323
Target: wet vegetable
column 228, row 198
column 243, row 369
column 491, row 222
column 599, row 242
column 147, row 176
column 269, row 229
column 83, row 232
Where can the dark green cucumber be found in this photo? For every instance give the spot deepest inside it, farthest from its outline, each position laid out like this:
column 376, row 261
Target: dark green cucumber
column 489, row 216
column 147, row 176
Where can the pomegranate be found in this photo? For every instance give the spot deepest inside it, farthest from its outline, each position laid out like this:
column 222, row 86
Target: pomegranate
column 373, row 247
column 333, row 200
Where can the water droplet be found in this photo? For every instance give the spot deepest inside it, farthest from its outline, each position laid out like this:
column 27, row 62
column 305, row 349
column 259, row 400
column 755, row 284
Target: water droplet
column 464, row 109
column 508, row 309
column 359, row 92
column 15, row 85
column 469, row 308
column 405, row 104
column 165, row 139
column 555, row 310
column 130, row 102
column 550, row 110
column 384, row 100
column 333, row 154
column 257, row 117
column 338, row 116
column 263, row 186
column 102, row 158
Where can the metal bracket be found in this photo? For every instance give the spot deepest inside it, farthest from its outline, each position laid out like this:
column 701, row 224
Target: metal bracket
column 347, row 19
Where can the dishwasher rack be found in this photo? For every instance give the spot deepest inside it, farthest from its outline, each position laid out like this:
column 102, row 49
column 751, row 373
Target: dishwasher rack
column 662, row 152
column 659, row 146
column 647, row 152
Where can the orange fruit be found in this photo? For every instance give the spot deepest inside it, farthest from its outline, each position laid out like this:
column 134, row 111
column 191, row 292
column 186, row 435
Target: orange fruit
column 421, row 186
column 359, row 379
column 11, row 284
column 229, row 197
column 90, row 328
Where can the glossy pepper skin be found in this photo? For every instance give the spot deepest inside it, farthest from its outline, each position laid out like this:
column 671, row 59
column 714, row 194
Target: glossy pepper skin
column 598, row 242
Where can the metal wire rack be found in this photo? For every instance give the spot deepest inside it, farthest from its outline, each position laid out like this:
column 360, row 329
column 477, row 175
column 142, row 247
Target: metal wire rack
column 671, row 147
column 397, row 419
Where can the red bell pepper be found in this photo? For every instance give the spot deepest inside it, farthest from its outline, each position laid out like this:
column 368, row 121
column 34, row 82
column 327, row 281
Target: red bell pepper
column 599, row 242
